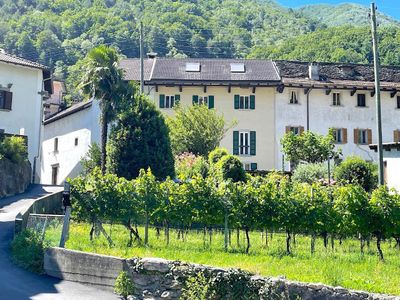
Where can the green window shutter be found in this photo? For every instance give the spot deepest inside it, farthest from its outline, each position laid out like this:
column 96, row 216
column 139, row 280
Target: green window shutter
column 195, row 99
column 252, row 102
column 177, row 99
column 162, row 101
column 253, row 166
column 252, row 143
column 237, row 99
column 210, row 102
column 236, row 143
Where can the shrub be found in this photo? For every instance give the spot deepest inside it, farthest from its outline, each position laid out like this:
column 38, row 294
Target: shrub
column 310, row 173
column 92, row 159
column 230, row 167
column 196, row 288
column 28, row 249
column 123, row 285
column 216, row 155
column 14, row 149
column 355, row 170
column 188, row 165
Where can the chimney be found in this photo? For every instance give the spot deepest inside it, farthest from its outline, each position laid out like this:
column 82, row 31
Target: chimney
column 313, row 71
column 151, row 55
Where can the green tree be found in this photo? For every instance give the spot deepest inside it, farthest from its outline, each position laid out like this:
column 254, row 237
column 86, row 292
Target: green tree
column 230, row 167
column 196, row 129
column 308, row 147
column 103, row 80
column 355, row 170
column 310, row 173
column 92, row 159
column 139, row 140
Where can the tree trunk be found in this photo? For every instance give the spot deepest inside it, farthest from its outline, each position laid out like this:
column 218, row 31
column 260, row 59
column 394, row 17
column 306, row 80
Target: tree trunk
column 158, row 232
column 248, row 240
column 132, row 232
column 312, row 243
column 226, row 233
column 102, row 230
column 378, row 246
column 288, row 237
column 266, row 237
column 104, row 133
column 325, row 235
column 294, row 239
column 92, row 231
column 397, row 239
column 204, row 236
column 146, row 231
column 210, row 233
column 238, row 237
column 230, row 237
column 167, row 232
column 333, row 242
column 362, row 244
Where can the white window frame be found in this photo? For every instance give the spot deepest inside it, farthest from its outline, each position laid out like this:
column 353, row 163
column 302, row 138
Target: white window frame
column 244, row 143
column 168, row 100
column 362, row 136
column 246, row 166
column 295, row 99
column 336, row 99
column 338, row 135
column 242, row 104
column 296, row 130
column 203, row 100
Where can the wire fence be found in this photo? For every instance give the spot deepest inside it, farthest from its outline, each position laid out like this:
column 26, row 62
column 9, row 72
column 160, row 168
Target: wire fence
column 47, row 225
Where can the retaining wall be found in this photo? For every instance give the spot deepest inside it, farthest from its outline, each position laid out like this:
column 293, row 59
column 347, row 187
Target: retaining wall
column 49, row 204
column 14, row 178
column 157, row 279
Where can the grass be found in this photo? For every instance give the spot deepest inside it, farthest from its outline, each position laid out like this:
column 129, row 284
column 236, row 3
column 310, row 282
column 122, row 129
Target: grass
column 344, row 266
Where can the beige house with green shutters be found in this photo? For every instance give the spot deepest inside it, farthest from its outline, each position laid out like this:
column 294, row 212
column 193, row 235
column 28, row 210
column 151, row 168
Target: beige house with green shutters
column 243, row 91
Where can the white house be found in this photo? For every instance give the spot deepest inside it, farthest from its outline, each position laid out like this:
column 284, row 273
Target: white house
column 391, row 163
column 23, row 86
column 67, row 137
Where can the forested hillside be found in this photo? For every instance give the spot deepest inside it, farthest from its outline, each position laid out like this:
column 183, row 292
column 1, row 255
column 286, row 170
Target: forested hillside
column 58, row 33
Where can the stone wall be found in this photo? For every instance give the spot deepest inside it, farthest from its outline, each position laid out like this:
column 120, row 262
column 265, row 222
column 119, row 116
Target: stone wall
column 14, row 178
column 157, row 279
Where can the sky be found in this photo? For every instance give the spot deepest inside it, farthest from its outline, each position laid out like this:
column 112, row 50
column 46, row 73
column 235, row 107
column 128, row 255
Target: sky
column 388, row 7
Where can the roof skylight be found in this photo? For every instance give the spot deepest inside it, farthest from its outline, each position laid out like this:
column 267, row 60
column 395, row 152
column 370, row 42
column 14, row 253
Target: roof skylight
column 192, row 67
column 238, row 68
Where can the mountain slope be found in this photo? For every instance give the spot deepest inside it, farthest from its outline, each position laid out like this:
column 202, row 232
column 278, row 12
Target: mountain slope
column 344, row 14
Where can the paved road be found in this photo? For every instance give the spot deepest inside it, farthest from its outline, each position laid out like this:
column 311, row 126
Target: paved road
column 16, row 283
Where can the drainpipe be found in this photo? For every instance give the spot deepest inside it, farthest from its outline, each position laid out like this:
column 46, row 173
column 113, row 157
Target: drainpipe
column 308, row 108
column 35, row 159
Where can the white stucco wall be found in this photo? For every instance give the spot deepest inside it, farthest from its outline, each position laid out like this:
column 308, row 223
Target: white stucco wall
column 261, row 119
column 83, row 125
column 392, row 172
column 25, row 116
column 324, row 116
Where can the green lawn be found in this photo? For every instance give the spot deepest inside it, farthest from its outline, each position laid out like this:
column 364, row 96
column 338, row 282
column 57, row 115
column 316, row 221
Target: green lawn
column 344, row 267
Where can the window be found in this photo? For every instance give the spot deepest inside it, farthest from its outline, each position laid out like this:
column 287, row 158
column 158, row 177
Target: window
column 340, row 135
column 244, row 143
column 250, row 166
column 245, row 102
column 295, row 129
column 362, row 136
column 76, row 141
column 398, row 102
column 54, row 174
column 237, row 68
column 169, row 101
column 361, row 100
column 5, row 100
column 336, row 99
column 192, row 67
column 205, row 100
column 55, row 144
column 293, row 98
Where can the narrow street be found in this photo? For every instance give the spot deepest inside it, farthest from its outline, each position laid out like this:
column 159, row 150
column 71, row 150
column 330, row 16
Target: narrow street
column 16, row 283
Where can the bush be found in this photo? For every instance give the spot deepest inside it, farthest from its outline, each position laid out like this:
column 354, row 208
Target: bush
column 27, row 250
column 230, row 167
column 123, row 285
column 310, row 173
column 196, row 288
column 188, row 165
column 92, row 159
column 14, row 149
column 355, row 170
column 216, row 155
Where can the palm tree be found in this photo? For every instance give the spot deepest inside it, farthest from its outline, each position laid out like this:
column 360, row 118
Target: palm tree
column 104, row 80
